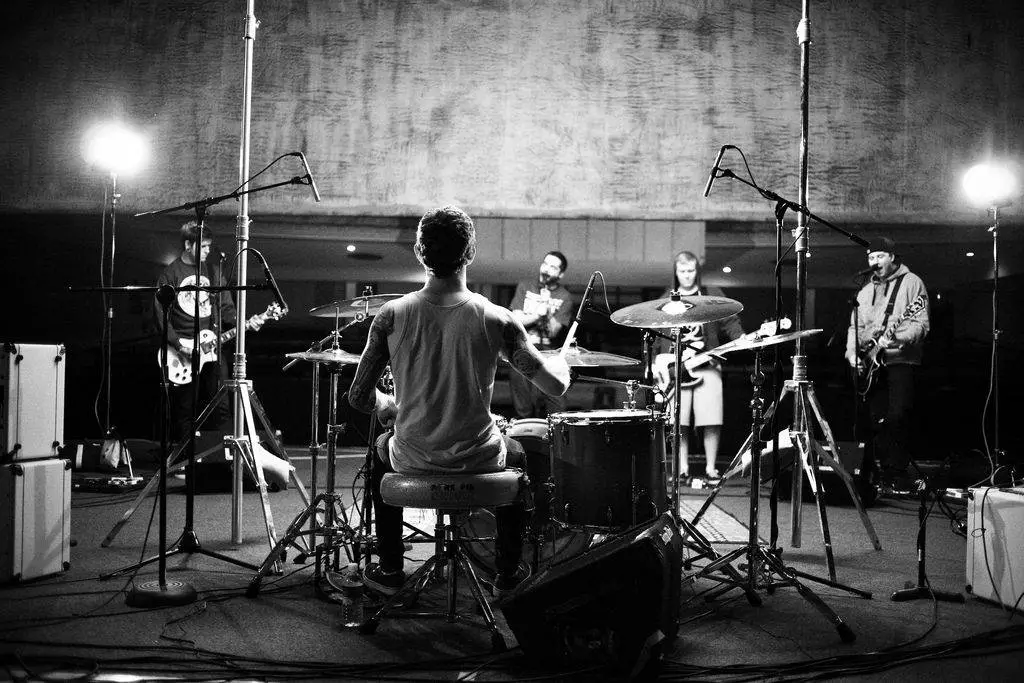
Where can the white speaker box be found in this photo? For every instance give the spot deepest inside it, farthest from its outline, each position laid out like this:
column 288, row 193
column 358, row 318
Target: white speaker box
column 32, row 396
column 995, row 545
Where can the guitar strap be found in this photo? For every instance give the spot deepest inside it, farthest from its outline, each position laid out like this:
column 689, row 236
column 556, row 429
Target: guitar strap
column 892, row 300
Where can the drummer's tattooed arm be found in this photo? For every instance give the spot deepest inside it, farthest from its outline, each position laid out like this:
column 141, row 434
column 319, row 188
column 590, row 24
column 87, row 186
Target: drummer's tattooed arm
column 523, row 357
column 363, row 394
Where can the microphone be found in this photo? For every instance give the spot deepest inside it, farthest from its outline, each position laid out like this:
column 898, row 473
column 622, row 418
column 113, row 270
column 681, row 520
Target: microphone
column 586, row 297
column 219, row 254
column 309, row 174
column 868, row 271
column 714, row 169
column 273, row 286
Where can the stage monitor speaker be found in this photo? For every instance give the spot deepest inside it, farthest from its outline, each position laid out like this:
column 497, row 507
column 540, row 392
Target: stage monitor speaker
column 614, row 604
column 214, row 467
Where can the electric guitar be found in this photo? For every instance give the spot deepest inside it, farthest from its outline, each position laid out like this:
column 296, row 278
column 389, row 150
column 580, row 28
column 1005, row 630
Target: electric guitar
column 870, row 354
column 665, row 361
column 179, row 365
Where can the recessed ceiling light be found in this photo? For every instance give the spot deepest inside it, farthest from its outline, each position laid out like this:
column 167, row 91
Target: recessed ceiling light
column 727, row 269
column 350, row 248
column 970, row 254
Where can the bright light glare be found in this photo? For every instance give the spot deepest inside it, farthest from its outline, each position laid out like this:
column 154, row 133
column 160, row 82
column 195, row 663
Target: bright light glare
column 350, row 248
column 115, row 149
column 989, row 185
column 727, row 269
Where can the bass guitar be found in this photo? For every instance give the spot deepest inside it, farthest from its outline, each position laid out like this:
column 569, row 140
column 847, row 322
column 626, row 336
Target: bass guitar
column 179, row 365
column 870, row 354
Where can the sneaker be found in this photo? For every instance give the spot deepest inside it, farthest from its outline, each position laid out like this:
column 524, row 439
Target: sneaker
column 505, row 584
column 712, row 474
column 380, row 581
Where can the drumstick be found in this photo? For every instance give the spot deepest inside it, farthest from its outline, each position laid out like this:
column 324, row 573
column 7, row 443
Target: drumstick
column 569, row 338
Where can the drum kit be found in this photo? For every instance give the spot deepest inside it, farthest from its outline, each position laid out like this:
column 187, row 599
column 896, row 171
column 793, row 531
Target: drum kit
column 593, row 473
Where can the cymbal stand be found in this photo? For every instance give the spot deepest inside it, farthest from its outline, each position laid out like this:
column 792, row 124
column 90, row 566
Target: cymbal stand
column 335, row 532
column 764, row 569
column 692, row 537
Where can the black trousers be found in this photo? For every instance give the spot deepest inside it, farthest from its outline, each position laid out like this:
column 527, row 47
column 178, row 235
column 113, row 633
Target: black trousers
column 890, row 403
column 181, row 403
column 511, row 519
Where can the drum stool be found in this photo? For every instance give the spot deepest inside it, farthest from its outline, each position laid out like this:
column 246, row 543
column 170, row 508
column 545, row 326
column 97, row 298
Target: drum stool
column 448, row 495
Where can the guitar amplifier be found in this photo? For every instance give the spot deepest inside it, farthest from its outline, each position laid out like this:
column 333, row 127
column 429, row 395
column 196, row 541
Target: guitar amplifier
column 35, row 518
column 31, row 400
column 995, row 545
column 615, row 604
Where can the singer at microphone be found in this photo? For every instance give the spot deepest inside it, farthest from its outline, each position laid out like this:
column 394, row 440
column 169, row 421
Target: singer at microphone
column 868, row 271
column 544, row 307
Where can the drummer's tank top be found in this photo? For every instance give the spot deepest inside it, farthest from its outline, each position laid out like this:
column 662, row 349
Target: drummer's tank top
column 443, row 363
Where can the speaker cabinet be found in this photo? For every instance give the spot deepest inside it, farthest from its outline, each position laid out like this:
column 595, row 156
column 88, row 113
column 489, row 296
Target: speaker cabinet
column 995, row 545
column 616, row 603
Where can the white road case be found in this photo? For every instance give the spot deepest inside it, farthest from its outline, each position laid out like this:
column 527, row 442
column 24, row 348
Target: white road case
column 35, row 518
column 31, row 400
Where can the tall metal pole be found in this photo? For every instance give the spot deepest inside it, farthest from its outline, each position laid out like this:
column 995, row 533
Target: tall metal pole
column 803, row 34
column 241, row 240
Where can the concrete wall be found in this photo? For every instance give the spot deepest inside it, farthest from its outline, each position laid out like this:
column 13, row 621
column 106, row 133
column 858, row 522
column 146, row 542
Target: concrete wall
column 566, row 108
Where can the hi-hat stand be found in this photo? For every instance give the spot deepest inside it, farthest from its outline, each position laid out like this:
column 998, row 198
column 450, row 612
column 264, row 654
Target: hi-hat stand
column 335, row 528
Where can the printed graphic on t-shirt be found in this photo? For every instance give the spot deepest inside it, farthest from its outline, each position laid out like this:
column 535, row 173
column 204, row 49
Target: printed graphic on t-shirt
column 544, row 305
column 692, row 339
column 186, row 300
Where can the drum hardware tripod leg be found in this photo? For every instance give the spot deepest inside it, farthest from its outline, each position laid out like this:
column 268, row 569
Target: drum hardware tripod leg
column 763, row 564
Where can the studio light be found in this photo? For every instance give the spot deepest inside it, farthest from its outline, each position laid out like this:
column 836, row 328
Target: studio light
column 115, row 148
column 990, row 185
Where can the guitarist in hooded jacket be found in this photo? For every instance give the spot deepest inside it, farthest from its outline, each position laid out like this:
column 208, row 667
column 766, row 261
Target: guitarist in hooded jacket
column 182, row 272
column 884, row 346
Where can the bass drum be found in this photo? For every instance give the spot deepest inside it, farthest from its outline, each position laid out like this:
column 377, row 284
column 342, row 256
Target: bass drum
column 545, row 542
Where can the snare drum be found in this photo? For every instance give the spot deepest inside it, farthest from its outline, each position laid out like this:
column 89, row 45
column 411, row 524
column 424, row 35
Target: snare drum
column 607, row 467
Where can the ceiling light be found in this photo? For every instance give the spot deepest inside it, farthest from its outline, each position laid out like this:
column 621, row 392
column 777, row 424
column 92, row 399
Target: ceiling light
column 350, row 248
column 727, row 269
column 970, row 254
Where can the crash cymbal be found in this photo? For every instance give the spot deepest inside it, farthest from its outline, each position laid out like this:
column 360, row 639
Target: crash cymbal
column 687, row 310
column 760, row 342
column 329, row 356
column 578, row 357
column 351, row 308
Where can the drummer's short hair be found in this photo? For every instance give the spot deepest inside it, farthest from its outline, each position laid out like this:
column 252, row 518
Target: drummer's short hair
column 190, row 232
column 690, row 257
column 445, row 240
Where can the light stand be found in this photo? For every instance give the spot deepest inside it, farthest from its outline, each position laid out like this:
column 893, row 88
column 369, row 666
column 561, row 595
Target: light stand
column 997, row 454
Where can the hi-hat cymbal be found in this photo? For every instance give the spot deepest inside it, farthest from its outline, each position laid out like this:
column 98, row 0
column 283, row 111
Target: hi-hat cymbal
column 687, row 310
column 760, row 342
column 329, row 356
column 351, row 308
column 578, row 357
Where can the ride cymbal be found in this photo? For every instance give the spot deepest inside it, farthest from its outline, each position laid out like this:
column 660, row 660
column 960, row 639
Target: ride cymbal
column 676, row 312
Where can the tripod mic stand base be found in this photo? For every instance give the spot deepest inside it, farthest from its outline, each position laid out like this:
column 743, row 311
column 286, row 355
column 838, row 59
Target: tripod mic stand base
column 154, row 594
column 912, row 592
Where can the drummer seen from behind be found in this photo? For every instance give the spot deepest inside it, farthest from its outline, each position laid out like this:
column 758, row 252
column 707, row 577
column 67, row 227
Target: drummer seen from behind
column 443, row 343
column 544, row 307
column 701, row 405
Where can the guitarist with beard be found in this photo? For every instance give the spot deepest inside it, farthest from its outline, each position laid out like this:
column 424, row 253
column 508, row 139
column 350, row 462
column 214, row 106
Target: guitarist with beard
column 884, row 346
column 182, row 272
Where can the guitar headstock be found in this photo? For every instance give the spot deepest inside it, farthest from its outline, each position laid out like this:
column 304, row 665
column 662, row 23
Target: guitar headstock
column 275, row 312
